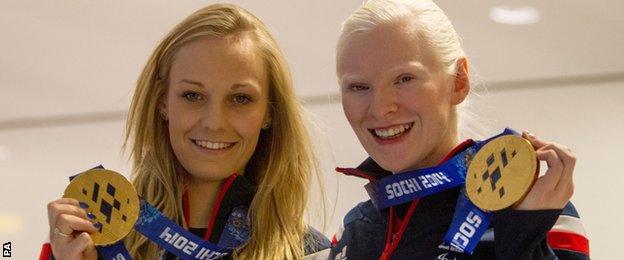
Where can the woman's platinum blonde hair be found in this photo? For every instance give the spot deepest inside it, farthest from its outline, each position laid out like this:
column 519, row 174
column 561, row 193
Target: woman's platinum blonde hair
column 432, row 24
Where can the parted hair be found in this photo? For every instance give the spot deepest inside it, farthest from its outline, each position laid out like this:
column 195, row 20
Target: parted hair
column 282, row 164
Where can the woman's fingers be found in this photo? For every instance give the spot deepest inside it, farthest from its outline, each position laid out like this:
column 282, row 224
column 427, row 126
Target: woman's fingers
column 68, row 224
column 69, row 211
column 79, row 247
column 565, row 155
column 536, row 142
column 555, row 187
column 70, row 237
column 568, row 161
column 82, row 247
column 555, row 168
column 65, row 206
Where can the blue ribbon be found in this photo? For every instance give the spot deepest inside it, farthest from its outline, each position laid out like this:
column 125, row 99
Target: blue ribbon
column 407, row 186
column 115, row 251
column 177, row 240
column 469, row 222
column 173, row 238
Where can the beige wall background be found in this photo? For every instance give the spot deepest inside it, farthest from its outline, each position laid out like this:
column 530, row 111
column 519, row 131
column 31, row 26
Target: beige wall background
column 67, row 71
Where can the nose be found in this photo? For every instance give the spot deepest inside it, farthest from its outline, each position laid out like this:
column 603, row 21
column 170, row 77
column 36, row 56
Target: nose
column 213, row 116
column 384, row 101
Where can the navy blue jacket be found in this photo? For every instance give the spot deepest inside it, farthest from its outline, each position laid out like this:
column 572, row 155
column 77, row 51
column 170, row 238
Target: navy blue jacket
column 536, row 234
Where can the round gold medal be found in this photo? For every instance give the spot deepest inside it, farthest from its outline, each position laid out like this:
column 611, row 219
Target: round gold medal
column 501, row 173
column 111, row 198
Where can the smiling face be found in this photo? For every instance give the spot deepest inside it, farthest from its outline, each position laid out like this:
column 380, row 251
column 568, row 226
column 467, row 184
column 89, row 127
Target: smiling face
column 216, row 103
column 397, row 98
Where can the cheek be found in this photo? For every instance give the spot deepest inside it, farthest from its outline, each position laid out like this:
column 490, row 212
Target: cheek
column 426, row 102
column 249, row 130
column 177, row 117
column 180, row 122
column 248, row 125
column 352, row 109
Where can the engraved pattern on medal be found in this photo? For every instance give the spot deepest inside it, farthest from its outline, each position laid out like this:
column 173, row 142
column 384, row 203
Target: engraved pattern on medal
column 501, row 173
column 111, row 198
column 493, row 176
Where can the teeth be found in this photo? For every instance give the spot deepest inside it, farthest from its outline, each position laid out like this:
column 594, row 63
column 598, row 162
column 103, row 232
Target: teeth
column 213, row 146
column 392, row 132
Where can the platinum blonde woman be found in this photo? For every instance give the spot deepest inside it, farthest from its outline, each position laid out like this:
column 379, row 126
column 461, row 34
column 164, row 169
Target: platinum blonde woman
column 403, row 74
column 214, row 129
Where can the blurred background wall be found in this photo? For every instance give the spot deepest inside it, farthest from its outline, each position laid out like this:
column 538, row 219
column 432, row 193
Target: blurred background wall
column 67, row 72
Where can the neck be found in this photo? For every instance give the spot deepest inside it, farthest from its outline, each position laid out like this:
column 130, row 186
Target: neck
column 440, row 152
column 201, row 199
column 449, row 141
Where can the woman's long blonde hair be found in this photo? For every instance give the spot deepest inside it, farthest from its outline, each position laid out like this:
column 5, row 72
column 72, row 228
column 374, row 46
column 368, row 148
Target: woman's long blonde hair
column 281, row 165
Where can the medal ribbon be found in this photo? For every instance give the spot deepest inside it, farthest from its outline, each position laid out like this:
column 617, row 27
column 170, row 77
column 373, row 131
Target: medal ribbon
column 168, row 235
column 469, row 222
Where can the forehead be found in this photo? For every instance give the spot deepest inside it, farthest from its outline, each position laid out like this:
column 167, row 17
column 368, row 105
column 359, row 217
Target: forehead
column 233, row 56
column 384, row 46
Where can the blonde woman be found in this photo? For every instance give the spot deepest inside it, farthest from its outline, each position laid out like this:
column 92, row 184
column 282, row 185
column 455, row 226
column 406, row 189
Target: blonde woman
column 215, row 132
column 403, row 73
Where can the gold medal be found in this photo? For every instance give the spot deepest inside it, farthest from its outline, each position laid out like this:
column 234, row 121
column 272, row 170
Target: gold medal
column 501, row 173
column 111, row 198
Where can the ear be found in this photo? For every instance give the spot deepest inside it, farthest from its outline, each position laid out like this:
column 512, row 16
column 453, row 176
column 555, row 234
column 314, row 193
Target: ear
column 268, row 117
column 462, row 83
column 266, row 123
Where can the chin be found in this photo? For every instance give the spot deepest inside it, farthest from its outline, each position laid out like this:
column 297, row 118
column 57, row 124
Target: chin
column 395, row 169
column 209, row 173
column 389, row 164
column 212, row 178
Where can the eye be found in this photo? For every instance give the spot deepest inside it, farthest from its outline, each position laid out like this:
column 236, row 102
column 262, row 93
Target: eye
column 357, row 87
column 404, row 79
column 192, row 96
column 241, row 99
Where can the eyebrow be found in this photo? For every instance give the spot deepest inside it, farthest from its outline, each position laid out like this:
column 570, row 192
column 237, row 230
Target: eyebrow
column 241, row 85
column 192, row 82
column 349, row 77
column 353, row 77
column 233, row 87
column 412, row 64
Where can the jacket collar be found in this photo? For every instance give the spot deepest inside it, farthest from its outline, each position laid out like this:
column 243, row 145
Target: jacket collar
column 370, row 170
column 240, row 193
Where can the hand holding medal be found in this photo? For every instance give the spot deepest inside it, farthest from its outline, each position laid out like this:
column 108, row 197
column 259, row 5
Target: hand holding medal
column 92, row 213
column 114, row 208
column 505, row 171
column 555, row 188
column 111, row 199
column 70, row 226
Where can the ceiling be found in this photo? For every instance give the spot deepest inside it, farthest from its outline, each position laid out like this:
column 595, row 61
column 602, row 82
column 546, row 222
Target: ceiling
column 67, row 60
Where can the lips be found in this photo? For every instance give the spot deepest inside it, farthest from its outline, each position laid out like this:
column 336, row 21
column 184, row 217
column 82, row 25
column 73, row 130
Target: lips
column 391, row 132
column 213, row 145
